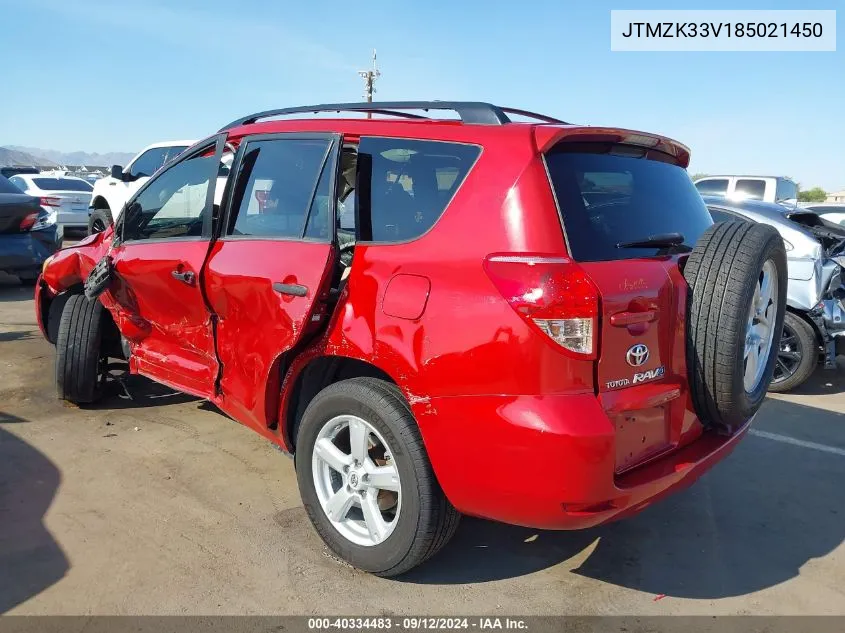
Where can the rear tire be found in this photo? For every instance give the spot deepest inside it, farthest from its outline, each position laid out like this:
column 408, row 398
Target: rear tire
column 797, row 363
column 99, row 220
column 78, row 350
column 423, row 520
column 726, row 330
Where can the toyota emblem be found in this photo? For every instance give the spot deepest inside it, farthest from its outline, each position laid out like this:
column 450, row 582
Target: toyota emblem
column 637, row 355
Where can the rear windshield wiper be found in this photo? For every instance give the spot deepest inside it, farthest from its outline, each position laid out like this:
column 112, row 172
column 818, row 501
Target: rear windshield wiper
column 662, row 240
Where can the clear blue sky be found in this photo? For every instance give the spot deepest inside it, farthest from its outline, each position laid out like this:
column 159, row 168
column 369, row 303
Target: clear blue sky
column 104, row 75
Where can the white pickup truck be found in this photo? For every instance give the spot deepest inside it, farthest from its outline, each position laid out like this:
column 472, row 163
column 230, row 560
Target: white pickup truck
column 111, row 193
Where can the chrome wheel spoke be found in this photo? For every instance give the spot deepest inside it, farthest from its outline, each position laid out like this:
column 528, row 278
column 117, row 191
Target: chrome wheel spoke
column 383, row 478
column 376, row 525
column 751, row 369
column 358, row 440
column 337, row 506
column 332, row 455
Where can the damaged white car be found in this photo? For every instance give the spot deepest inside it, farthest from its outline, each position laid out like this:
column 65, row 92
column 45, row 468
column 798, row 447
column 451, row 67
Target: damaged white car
column 814, row 325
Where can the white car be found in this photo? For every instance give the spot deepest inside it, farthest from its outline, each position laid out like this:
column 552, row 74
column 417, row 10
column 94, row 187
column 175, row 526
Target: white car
column 112, row 192
column 738, row 188
column 69, row 197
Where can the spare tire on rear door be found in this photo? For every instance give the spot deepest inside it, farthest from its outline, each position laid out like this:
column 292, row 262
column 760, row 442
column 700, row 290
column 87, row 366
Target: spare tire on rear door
column 737, row 278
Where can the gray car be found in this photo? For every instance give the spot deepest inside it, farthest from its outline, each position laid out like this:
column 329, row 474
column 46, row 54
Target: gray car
column 814, row 325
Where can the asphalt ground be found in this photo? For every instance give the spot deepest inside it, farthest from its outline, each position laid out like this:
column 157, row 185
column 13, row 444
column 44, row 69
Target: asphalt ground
column 160, row 504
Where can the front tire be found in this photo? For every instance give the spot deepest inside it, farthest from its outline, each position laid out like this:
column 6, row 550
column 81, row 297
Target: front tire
column 798, row 354
column 78, row 350
column 365, row 479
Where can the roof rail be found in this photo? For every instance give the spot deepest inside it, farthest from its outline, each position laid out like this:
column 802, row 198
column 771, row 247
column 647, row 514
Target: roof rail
column 476, row 112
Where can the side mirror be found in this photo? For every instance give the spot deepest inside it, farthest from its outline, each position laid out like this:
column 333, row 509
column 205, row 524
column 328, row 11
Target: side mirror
column 117, row 172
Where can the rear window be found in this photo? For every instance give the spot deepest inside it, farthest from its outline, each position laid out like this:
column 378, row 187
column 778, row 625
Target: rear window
column 62, row 184
column 786, row 190
column 612, row 194
column 412, row 183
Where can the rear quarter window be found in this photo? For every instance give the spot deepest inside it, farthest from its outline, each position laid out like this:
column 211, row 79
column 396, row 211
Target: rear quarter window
column 611, row 194
column 412, row 183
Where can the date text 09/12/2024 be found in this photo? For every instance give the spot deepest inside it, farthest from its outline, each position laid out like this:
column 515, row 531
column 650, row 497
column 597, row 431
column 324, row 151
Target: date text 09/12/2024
column 480, row 623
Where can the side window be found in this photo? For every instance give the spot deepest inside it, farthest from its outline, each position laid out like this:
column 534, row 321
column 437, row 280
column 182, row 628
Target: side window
column 276, row 183
column 174, row 203
column 722, row 215
column 148, row 162
column 748, row 189
column 786, row 190
column 412, row 183
column 18, row 182
column 712, row 187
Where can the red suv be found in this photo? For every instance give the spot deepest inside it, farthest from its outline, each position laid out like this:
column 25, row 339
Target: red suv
column 532, row 322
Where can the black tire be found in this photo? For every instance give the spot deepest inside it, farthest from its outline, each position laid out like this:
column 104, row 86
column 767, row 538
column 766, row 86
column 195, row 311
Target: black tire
column 99, row 220
column 798, row 354
column 426, row 521
column 722, row 272
column 54, row 316
column 78, row 353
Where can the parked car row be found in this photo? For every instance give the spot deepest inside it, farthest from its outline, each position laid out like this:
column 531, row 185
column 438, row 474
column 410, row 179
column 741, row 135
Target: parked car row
column 29, row 232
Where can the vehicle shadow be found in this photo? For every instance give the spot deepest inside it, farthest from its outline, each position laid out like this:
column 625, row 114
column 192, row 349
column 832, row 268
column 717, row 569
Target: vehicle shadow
column 6, row 337
column 824, row 381
column 131, row 391
column 30, row 558
column 745, row 526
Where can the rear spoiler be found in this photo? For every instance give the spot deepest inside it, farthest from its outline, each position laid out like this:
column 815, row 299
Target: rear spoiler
column 546, row 137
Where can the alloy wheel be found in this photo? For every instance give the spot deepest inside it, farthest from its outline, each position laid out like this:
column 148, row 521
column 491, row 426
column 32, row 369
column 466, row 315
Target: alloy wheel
column 759, row 331
column 789, row 355
column 356, row 480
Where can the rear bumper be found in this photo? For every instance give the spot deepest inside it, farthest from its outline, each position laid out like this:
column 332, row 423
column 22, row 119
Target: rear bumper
column 73, row 218
column 26, row 252
column 549, row 462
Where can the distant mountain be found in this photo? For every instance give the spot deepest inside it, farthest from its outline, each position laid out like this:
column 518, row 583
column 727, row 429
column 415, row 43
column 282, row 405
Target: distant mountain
column 75, row 158
column 10, row 157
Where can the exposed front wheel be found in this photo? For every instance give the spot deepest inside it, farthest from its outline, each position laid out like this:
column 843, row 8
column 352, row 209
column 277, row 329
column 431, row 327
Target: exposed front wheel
column 79, row 357
column 798, row 354
column 366, row 481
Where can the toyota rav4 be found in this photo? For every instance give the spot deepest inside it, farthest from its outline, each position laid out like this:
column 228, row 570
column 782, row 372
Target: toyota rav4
column 532, row 322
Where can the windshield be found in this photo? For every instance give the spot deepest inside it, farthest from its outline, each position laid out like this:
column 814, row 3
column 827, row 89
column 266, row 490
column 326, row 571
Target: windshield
column 62, row 184
column 611, row 194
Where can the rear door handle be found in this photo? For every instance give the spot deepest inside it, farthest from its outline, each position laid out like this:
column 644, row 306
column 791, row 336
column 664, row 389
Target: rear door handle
column 185, row 277
column 296, row 290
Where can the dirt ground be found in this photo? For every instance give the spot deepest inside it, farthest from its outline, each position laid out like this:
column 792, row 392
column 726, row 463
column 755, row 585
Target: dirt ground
column 162, row 505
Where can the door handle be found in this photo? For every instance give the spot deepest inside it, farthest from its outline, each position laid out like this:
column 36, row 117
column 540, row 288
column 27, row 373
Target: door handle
column 185, row 277
column 296, row 290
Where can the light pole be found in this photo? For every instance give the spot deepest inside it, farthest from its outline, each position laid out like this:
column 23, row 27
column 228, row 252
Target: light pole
column 370, row 77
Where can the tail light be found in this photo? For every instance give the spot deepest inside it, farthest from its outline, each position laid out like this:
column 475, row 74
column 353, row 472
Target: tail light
column 553, row 294
column 47, row 201
column 29, row 221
